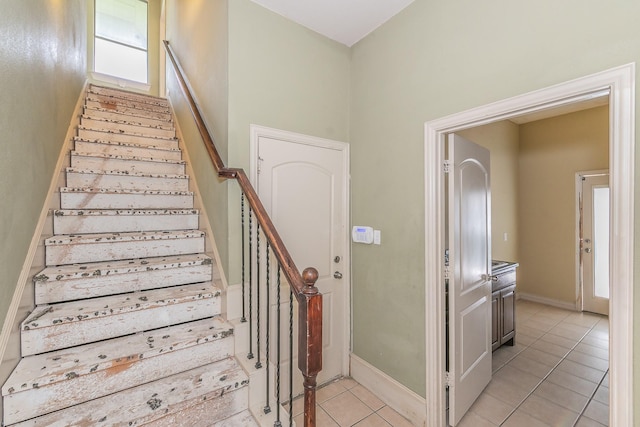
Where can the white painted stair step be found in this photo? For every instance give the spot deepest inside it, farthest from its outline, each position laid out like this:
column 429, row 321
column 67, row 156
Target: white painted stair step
column 124, row 180
column 68, row 324
column 128, row 118
column 78, row 281
column 77, row 249
column 91, row 198
column 52, row 381
column 128, row 138
column 101, row 90
column 198, row 397
column 123, row 109
column 133, row 129
column 114, row 102
column 102, row 161
column 99, row 146
column 74, row 221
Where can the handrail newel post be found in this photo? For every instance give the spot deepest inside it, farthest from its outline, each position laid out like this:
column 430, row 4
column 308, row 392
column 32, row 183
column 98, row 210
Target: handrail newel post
column 310, row 338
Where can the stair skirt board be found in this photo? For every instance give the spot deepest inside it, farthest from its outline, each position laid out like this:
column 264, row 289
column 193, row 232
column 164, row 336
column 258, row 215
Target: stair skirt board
column 72, row 282
column 41, row 384
column 197, row 397
column 127, row 163
column 127, row 328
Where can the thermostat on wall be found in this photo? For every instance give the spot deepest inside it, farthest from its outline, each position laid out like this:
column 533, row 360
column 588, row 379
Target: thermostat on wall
column 362, row 234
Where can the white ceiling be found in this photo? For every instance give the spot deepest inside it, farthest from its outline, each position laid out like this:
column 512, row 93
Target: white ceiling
column 345, row 21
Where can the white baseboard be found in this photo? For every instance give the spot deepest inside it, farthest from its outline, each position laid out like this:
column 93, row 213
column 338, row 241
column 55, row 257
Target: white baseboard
column 395, row 395
column 547, row 301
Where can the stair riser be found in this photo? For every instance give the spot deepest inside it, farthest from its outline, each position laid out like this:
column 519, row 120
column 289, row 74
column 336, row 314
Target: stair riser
column 94, row 135
column 139, row 120
column 129, row 96
column 123, row 109
column 108, row 102
column 126, row 165
column 88, row 224
column 88, row 148
column 82, row 200
column 127, row 128
column 48, row 398
column 125, row 182
column 105, row 284
column 206, row 412
column 115, row 250
column 64, row 335
column 151, row 401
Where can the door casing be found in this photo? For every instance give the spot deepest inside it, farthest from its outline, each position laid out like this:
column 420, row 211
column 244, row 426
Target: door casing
column 619, row 84
column 256, row 132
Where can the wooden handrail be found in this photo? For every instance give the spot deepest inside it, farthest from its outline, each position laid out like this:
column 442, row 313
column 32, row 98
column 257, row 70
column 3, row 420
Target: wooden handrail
column 302, row 285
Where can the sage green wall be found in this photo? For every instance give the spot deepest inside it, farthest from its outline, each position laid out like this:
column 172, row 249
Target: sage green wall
column 284, row 76
column 42, row 64
column 551, row 152
column 198, row 33
column 431, row 60
column 502, row 140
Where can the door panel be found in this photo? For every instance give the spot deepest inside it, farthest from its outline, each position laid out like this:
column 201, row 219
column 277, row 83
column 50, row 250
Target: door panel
column 469, row 229
column 594, row 243
column 303, row 188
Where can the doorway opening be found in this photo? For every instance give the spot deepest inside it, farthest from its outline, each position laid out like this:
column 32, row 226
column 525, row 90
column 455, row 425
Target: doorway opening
column 618, row 85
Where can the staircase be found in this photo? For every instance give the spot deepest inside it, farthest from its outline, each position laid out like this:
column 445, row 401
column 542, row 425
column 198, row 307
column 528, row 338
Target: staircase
column 127, row 328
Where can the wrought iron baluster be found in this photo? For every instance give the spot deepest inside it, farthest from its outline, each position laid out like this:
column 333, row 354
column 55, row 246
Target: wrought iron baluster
column 244, row 317
column 250, row 354
column 258, row 308
column 277, row 423
column 267, row 408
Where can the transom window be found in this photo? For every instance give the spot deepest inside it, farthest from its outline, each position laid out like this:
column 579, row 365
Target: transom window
column 121, row 39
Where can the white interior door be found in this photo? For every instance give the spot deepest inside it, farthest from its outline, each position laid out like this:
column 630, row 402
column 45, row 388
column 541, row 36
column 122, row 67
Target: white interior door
column 469, row 237
column 304, row 188
column 594, row 243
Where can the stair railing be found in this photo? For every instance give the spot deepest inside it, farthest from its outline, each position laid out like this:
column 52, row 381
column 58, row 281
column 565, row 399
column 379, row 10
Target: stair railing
column 302, row 286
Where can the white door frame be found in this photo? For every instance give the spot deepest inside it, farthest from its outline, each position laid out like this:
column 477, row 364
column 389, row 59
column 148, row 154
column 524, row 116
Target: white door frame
column 256, row 132
column 620, row 84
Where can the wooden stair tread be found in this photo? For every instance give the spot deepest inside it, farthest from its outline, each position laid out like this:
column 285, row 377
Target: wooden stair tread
column 127, row 144
column 242, row 419
column 76, row 311
column 61, row 365
column 125, row 157
column 89, row 109
column 122, row 237
column 154, row 400
column 122, row 191
column 128, row 134
column 107, row 101
column 116, row 212
column 167, row 126
column 126, row 173
column 97, row 89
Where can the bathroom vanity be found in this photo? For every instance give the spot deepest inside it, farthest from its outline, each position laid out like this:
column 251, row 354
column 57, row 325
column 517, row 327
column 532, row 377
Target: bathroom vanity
column 503, row 303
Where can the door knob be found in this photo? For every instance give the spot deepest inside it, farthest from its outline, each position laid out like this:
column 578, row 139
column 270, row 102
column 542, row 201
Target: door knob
column 587, row 250
column 337, row 275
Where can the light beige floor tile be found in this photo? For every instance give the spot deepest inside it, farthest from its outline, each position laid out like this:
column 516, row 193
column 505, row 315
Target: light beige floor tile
column 583, row 319
column 602, row 395
column 517, row 377
column 348, row 382
column 598, row 411
column 549, row 412
column 596, row 342
column 499, row 358
column 565, row 332
column 572, row 382
column 346, row 409
column 562, row 396
column 599, row 334
column 393, row 418
column 541, row 356
column 592, row 350
column 322, row 419
column 588, row 360
column 506, row 392
column 550, row 348
column 534, row 323
column 471, row 419
column 298, row 405
column 491, row 408
column 367, row 397
column 588, row 422
column 373, row 420
column 582, row 371
column 524, row 339
column 525, row 364
column 329, row 391
column 531, row 332
column 605, row 380
column 522, row 419
column 558, row 340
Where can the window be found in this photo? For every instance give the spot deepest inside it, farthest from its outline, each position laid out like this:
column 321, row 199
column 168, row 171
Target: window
column 121, row 39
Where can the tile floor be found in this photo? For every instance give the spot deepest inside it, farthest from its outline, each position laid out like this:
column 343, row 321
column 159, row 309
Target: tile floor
column 555, row 375
column 345, row 403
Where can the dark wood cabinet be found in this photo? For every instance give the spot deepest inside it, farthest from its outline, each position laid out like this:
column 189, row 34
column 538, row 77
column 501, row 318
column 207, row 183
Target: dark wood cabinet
column 503, row 305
